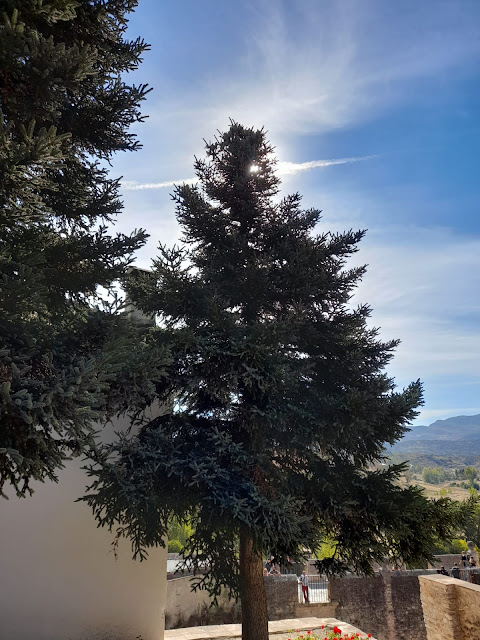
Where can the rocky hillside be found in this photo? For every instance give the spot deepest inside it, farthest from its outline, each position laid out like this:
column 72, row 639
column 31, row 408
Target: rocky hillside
column 460, row 434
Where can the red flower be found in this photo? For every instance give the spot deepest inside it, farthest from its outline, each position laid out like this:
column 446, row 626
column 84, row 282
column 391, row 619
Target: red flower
column 336, row 630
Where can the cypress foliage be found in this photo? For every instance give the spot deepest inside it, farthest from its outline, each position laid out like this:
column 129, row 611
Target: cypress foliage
column 282, row 404
column 64, row 110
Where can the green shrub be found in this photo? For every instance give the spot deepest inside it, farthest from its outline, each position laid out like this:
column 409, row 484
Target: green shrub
column 433, row 475
column 175, row 546
column 457, row 545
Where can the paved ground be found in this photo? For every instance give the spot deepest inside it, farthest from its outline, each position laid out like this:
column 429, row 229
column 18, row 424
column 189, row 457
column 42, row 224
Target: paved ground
column 274, row 627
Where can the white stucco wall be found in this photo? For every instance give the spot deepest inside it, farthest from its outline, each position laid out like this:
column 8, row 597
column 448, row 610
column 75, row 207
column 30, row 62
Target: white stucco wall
column 184, row 607
column 59, row 579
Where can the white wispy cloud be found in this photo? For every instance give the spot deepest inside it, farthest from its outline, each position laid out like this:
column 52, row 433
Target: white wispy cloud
column 283, row 169
column 420, row 283
column 291, row 168
column 132, row 185
column 311, row 70
column 304, row 71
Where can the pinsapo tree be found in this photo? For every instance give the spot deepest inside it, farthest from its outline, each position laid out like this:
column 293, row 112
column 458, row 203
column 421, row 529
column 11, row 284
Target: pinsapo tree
column 65, row 109
column 281, row 401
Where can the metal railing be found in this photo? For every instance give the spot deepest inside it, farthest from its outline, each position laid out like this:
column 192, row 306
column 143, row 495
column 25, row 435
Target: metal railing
column 462, row 573
column 317, row 590
column 465, row 574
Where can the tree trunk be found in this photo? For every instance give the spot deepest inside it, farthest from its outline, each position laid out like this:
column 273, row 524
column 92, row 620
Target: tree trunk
column 252, row 591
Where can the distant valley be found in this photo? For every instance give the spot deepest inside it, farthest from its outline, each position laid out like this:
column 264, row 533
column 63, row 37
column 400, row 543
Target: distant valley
column 437, row 455
column 458, row 435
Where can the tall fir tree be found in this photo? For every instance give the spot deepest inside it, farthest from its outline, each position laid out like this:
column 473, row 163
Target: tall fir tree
column 64, row 110
column 282, row 404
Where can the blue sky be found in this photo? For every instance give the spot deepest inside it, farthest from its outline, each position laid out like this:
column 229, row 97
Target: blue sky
column 374, row 109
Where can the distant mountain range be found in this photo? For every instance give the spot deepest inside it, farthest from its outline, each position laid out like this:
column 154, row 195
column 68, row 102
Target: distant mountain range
column 460, row 433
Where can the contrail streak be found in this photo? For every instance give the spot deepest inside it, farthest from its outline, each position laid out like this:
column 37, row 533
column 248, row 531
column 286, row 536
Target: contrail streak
column 283, row 169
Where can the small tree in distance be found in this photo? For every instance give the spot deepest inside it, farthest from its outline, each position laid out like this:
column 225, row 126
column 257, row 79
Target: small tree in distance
column 470, row 474
column 282, row 404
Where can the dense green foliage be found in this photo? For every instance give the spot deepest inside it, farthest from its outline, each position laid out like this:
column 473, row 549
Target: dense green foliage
column 452, row 464
column 472, row 526
column 178, row 534
column 174, row 545
column 64, row 111
column 282, row 405
column 457, row 545
column 434, row 475
column 470, row 474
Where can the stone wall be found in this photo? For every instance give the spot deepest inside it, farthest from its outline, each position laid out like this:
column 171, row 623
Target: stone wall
column 316, row 610
column 406, row 607
column 361, row 602
column 451, row 608
column 282, row 596
column 468, row 607
column 387, row 605
column 187, row 608
column 446, row 560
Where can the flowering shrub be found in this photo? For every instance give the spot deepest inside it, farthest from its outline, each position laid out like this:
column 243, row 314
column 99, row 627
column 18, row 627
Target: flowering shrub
column 335, row 634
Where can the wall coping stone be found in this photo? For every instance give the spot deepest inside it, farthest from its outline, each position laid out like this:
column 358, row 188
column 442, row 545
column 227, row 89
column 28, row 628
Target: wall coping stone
column 283, row 577
column 383, row 572
column 459, row 584
column 414, row 572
